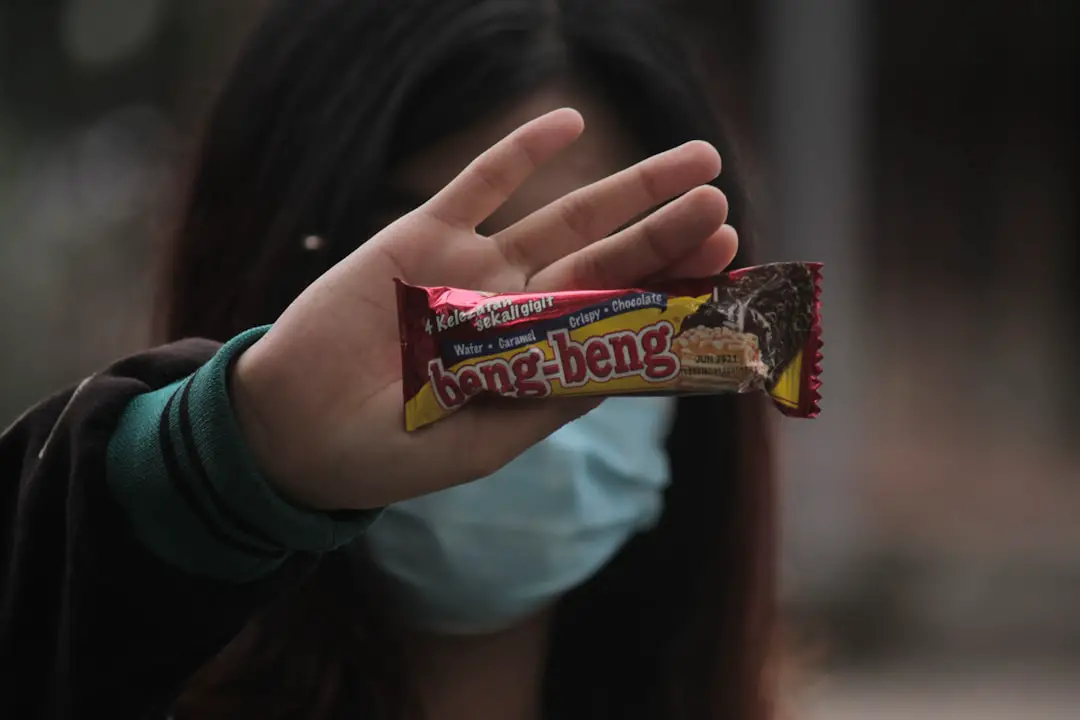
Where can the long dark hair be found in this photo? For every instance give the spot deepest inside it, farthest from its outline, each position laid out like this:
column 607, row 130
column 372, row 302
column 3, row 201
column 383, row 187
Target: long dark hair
column 328, row 97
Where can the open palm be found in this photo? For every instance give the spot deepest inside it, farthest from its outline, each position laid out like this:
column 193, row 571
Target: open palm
column 320, row 396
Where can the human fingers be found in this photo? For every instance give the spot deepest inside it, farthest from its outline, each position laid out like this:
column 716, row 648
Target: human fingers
column 592, row 212
column 712, row 258
column 644, row 250
column 493, row 177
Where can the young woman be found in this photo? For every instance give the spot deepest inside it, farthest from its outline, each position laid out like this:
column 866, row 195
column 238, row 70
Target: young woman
column 621, row 568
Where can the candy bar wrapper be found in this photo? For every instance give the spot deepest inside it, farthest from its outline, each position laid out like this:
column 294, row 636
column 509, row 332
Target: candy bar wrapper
column 754, row 329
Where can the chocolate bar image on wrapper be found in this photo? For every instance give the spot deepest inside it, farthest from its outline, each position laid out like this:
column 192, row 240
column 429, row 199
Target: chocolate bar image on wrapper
column 753, row 329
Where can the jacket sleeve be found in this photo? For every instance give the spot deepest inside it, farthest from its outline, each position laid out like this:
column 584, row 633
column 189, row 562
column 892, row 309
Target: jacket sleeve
column 137, row 537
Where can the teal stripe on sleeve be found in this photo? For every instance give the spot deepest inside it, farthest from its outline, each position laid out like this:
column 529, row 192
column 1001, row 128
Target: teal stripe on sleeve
column 178, row 465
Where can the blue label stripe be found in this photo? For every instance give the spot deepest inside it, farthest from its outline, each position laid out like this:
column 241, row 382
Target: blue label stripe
column 456, row 351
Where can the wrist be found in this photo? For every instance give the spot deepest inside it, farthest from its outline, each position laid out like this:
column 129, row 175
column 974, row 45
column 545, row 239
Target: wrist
column 273, row 444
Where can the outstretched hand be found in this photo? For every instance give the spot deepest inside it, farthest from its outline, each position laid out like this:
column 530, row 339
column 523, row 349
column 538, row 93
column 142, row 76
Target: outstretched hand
column 319, row 397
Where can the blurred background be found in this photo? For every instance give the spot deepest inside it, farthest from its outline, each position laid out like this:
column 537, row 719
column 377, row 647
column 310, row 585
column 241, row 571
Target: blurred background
column 925, row 151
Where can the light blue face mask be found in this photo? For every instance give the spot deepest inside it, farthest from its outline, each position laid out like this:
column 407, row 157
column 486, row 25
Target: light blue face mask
column 477, row 558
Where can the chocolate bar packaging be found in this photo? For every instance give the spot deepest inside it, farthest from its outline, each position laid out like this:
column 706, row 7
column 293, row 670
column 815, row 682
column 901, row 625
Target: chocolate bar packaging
column 756, row 329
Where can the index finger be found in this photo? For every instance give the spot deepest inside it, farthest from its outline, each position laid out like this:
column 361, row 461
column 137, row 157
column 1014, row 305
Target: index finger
column 492, row 178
